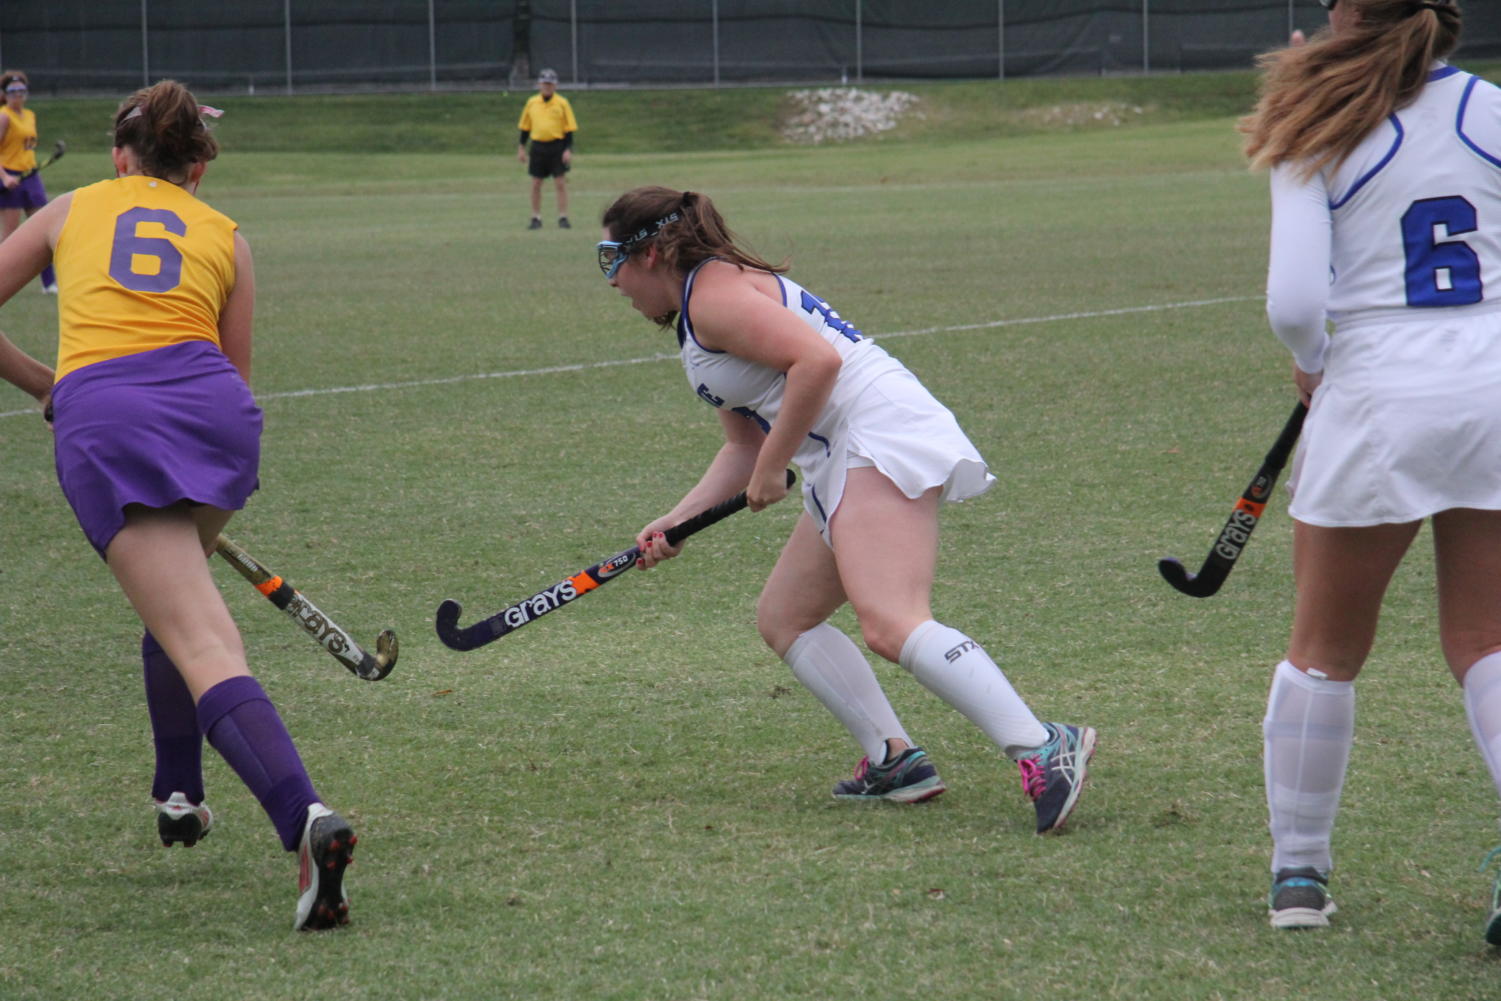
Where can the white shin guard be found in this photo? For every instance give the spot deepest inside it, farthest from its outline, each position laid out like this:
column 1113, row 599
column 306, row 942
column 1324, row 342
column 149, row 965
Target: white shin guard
column 957, row 670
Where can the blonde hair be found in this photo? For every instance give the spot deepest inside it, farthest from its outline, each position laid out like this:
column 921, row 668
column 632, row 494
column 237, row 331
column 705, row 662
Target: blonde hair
column 1319, row 100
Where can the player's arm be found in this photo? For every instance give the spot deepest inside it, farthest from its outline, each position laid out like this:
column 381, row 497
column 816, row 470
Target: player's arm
column 728, row 473
column 731, row 314
column 28, row 250
column 236, row 319
column 1297, row 285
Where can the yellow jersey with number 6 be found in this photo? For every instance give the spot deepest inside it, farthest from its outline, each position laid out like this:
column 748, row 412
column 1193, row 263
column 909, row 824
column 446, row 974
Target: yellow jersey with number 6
column 141, row 264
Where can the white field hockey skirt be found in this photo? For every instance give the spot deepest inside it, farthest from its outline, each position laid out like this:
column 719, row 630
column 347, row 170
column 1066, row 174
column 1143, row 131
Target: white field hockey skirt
column 897, row 426
column 1407, row 422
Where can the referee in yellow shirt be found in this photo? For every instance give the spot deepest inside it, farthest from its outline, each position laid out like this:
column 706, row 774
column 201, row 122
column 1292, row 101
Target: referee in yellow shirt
column 548, row 121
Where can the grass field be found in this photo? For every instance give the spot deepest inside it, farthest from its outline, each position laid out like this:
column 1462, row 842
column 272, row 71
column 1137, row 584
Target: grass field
column 629, row 799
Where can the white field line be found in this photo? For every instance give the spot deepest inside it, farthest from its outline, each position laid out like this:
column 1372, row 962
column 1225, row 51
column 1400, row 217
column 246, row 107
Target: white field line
column 380, row 387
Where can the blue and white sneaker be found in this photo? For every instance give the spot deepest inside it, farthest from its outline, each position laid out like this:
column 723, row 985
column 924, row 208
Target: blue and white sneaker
column 908, row 778
column 180, row 819
column 1300, row 898
column 1053, row 775
column 1493, row 923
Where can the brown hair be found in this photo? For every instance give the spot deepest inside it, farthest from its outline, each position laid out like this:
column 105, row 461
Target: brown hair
column 10, row 75
column 1319, row 100
column 683, row 243
column 162, row 124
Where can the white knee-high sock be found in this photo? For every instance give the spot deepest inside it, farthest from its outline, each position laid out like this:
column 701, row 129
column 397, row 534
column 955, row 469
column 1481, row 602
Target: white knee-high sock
column 1308, row 729
column 1482, row 690
column 830, row 666
column 957, row 670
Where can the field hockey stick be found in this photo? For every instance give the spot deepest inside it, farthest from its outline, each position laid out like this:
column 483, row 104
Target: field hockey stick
column 1237, row 531
column 307, row 615
column 569, row 588
column 57, row 154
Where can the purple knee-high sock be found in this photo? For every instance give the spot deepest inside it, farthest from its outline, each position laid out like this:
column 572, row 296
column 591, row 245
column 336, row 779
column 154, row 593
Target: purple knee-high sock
column 174, row 726
column 49, row 277
column 243, row 725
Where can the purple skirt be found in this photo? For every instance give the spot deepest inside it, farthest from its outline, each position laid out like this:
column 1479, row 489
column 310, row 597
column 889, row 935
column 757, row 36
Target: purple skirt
column 155, row 428
column 29, row 194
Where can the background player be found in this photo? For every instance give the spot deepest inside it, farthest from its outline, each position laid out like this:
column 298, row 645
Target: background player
column 1396, row 194
column 21, row 187
column 793, row 382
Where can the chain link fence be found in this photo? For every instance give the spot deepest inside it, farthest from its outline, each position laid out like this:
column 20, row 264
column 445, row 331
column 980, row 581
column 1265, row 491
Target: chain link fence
column 286, row 46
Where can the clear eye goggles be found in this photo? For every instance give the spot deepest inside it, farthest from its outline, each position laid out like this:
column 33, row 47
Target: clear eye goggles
column 1328, row 4
column 612, row 253
column 16, row 88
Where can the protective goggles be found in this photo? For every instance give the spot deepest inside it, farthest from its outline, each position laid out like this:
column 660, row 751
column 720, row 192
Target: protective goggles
column 16, row 88
column 612, row 253
column 1328, row 4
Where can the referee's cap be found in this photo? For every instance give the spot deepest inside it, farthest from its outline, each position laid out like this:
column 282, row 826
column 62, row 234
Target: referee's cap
column 547, row 76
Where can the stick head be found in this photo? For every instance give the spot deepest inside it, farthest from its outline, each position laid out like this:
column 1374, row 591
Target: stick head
column 1195, row 585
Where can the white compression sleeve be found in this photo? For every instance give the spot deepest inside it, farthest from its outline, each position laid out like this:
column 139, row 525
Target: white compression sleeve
column 1309, row 725
column 830, row 666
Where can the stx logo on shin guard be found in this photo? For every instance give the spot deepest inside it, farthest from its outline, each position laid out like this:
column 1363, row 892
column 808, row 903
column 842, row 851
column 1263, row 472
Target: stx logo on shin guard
column 961, row 650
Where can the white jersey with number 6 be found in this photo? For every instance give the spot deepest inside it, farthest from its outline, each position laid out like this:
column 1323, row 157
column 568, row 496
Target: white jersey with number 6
column 1400, row 247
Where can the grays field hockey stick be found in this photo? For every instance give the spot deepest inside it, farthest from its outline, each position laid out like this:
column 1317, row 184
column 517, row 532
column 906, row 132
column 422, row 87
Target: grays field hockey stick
column 307, row 615
column 57, row 154
column 1237, row 531
column 569, row 588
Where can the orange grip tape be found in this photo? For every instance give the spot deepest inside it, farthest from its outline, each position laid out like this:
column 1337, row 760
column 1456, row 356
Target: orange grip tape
column 582, row 582
column 266, row 587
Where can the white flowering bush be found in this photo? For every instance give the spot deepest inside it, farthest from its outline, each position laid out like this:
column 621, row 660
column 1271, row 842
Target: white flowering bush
column 836, row 114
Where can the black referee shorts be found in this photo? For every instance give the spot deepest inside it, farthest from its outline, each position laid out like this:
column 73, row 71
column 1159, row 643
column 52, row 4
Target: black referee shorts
column 546, row 159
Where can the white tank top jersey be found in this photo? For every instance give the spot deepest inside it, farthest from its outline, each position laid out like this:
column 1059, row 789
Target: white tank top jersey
column 878, row 414
column 755, row 391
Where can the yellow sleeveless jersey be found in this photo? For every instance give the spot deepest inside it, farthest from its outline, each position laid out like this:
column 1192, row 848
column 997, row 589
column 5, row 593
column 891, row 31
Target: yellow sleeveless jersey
column 141, row 264
column 18, row 148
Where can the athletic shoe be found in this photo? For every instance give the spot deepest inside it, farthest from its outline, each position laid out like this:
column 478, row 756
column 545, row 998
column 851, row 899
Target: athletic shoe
column 563, row 222
column 1300, row 898
column 535, row 223
column 178, row 819
column 327, row 847
column 1053, row 775
column 909, row 778
column 1493, row 923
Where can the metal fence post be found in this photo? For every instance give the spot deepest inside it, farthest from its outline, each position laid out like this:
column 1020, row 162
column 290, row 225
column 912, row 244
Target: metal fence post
column 859, row 42
column 432, row 48
column 145, row 47
column 573, row 30
column 1000, row 41
column 714, row 16
column 287, row 35
column 1146, row 27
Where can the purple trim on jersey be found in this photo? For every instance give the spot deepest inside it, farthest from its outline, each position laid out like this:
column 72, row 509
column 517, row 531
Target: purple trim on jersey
column 813, row 493
column 1442, row 72
column 1459, row 125
column 827, row 451
column 685, row 326
column 1396, row 145
column 782, row 288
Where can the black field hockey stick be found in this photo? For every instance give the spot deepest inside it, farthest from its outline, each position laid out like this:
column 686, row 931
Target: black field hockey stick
column 307, row 615
column 57, row 154
column 569, row 588
column 1237, row 531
